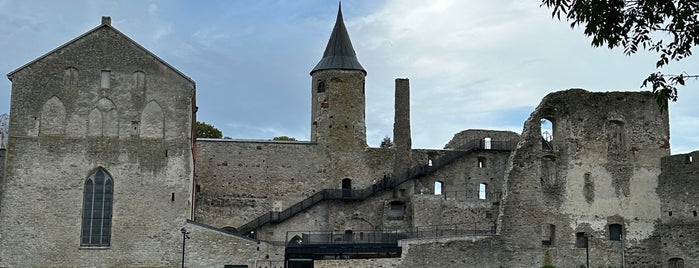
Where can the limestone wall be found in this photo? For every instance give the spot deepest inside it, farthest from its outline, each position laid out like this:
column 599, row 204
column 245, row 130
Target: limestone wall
column 100, row 102
column 679, row 230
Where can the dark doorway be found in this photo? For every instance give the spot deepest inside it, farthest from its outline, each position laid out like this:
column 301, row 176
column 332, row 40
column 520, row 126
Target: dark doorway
column 347, row 187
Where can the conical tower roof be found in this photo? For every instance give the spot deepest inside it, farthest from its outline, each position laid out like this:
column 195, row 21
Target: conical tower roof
column 339, row 54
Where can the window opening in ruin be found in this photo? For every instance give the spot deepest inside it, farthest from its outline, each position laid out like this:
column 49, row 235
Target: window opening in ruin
column 481, row 162
column 549, row 235
column 695, row 213
column 487, row 143
column 615, row 232
column 346, row 187
column 546, row 134
column 675, row 263
column 438, row 186
column 669, row 213
column 348, row 236
column 689, row 159
column 396, row 209
column 321, row 86
column 482, row 191
column 581, row 240
column 429, row 162
column 97, row 210
column 105, row 79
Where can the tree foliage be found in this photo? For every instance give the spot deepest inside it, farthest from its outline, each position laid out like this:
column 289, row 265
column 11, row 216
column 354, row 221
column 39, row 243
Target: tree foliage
column 386, row 142
column 669, row 28
column 204, row 130
column 283, row 138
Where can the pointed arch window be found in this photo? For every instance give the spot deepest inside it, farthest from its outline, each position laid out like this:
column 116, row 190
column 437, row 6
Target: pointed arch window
column 97, row 210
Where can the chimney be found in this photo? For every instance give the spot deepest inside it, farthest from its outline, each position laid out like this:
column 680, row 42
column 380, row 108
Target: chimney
column 402, row 143
column 107, row 20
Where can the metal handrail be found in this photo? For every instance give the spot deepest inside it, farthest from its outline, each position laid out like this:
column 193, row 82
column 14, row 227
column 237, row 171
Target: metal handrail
column 388, row 182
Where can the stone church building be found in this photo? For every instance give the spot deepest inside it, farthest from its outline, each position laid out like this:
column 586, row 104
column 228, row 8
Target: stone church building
column 102, row 169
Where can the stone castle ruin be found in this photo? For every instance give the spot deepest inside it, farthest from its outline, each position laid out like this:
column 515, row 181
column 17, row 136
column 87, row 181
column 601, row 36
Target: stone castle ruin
column 102, row 169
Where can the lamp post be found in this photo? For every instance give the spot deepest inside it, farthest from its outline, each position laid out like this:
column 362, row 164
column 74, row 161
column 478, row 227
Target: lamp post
column 185, row 236
column 587, row 249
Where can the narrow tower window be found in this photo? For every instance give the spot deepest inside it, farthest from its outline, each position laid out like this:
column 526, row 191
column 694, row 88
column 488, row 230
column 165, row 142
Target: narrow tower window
column 321, row 86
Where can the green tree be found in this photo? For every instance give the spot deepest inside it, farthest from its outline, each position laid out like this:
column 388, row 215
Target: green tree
column 283, row 138
column 669, row 28
column 204, row 130
column 386, row 142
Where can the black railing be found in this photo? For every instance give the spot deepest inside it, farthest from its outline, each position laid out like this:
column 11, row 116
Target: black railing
column 472, row 195
column 387, row 182
column 300, row 239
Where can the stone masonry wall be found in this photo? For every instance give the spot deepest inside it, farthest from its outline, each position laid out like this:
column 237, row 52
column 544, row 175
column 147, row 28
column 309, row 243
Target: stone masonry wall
column 679, row 229
column 65, row 124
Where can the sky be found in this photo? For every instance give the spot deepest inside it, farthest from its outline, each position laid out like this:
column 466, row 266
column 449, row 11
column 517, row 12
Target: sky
column 471, row 64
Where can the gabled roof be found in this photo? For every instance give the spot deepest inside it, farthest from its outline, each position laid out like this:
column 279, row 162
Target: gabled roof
column 106, row 23
column 339, row 54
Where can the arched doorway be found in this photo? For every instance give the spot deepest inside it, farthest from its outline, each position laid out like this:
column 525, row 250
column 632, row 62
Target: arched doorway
column 346, row 187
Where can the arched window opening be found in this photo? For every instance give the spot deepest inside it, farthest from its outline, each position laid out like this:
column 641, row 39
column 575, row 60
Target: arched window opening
column 675, row 263
column 438, row 187
column 547, row 128
column 487, row 143
column 97, row 210
column 482, row 191
column 296, row 240
column 481, row 162
column 429, row 162
column 689, row 159
column 615, row 232
column 346, row 187
column 320, row 87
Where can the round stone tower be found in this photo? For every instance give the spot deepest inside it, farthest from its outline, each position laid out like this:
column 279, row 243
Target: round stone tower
column 337, row 93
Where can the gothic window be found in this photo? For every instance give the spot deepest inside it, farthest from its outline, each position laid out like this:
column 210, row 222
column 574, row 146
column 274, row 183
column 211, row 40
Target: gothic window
column 547, row 130
column 97, row 210
column 615, row 232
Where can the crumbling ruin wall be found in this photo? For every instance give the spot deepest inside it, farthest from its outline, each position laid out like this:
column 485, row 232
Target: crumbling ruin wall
column 679, row 227
column 597, row 176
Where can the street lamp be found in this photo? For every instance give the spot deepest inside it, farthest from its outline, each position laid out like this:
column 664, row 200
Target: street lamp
column 587, row 248
column 185, row 236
